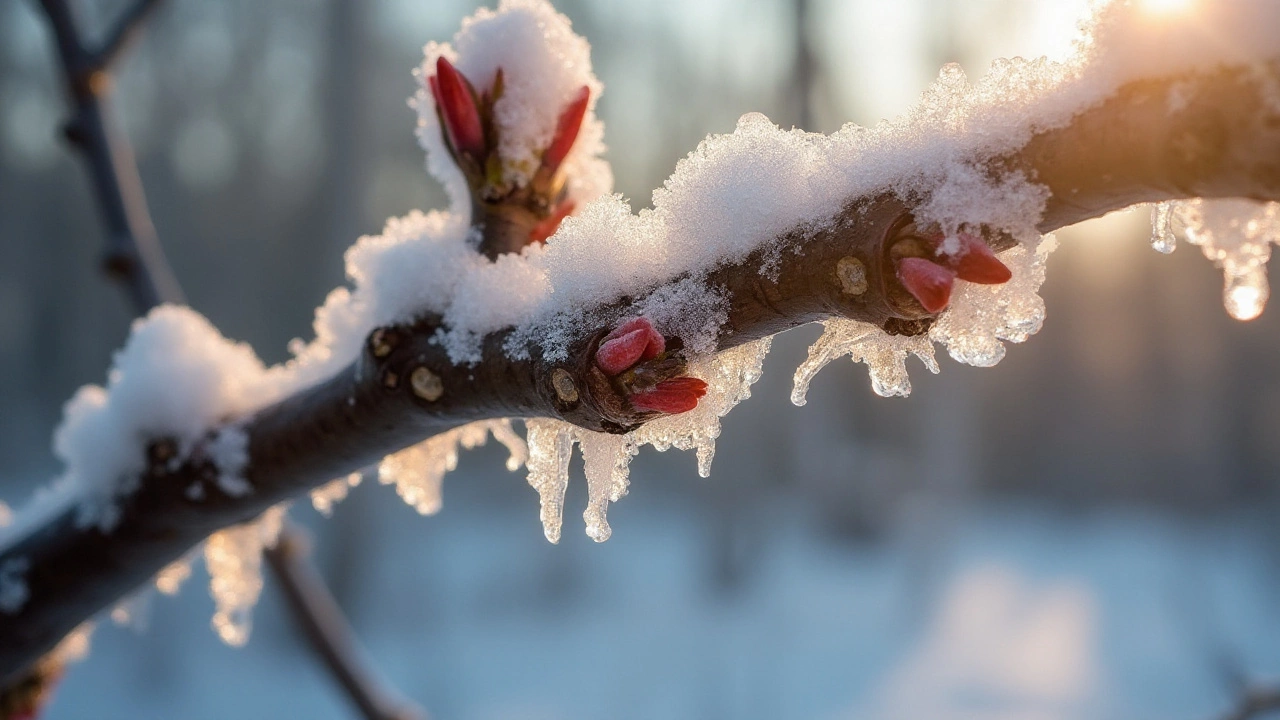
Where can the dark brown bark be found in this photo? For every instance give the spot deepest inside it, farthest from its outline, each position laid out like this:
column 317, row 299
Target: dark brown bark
column 1129, row 149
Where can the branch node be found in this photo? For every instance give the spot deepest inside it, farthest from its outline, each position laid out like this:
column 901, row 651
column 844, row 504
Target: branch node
column 564, row 386
column 426, row 384
column 852, row 274
column 382, row 341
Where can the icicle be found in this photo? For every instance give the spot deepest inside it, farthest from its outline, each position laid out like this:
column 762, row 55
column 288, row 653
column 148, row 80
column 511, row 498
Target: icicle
column 169, row 580
column 550, row 448
column 234, row 560
column 884, row 354
column 1236, row 235
column 74, row 647
column 418, row 471
column 606, row 458
column 1162, row 238
column 503, row 433
column 729, row 376
column 333, row 492
column 1246, row 293
column 133, row 611
column 838, row 338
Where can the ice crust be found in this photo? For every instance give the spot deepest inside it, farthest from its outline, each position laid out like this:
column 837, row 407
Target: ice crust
column 734, row 195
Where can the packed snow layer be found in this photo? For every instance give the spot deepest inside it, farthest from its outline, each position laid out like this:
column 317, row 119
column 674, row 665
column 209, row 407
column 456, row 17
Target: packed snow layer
column 176, row 377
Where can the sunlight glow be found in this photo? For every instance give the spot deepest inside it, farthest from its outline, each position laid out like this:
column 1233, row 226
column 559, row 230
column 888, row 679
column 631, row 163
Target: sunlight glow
column 1166, row 7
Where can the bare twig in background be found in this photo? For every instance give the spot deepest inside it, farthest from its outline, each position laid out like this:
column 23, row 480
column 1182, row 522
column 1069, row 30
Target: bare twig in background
column 128, row 26
column 1254, row 702
column 328, row 631
column 135, row 259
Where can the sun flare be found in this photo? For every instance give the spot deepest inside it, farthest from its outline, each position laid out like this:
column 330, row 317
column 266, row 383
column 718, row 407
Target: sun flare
column 1166, row 7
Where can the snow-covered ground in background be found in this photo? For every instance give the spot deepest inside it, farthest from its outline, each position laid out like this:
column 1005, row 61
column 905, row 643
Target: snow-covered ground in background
column 1025, row 615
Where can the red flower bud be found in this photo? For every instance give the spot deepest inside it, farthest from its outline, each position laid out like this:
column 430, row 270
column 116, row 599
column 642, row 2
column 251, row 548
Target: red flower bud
column 977, row 264
column 927, row 282
column 672, row 396
column 567, row 128
column 631, row 342
column 457, row 103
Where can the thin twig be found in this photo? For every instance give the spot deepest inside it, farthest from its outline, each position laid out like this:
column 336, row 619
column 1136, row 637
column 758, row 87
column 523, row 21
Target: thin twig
column 330, row 634
column 127, row 27
column 1254, row 703
column 136, row 261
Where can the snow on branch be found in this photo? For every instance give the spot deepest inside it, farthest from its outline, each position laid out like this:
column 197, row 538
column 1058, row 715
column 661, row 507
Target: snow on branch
column 622, row 328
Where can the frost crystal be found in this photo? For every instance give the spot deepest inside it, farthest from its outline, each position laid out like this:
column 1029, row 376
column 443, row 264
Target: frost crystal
column 1236, row 235
column 884, row 354
column 333, row 492
column 418, row 471
column 234, row 559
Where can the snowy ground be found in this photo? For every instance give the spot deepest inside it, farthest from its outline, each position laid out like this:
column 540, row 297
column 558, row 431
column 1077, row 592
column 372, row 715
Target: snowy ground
column 1023, row 615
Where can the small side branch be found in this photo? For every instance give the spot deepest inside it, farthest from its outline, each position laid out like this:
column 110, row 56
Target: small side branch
column 1254, row 703
column 128, row 26
column 330, row 635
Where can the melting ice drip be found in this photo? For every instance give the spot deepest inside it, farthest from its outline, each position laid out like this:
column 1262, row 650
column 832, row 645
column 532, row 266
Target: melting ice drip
column 972, row 329
column 234, row 560
column 1235, row 234
column 418, row 471
column 333, row 492
column 729, row 376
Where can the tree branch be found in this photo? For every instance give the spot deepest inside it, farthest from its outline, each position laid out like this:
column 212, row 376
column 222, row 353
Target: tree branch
column 128, row 26
column 1225, row 142
column 330, row 635
column 136, row 261
column 1254, row 703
